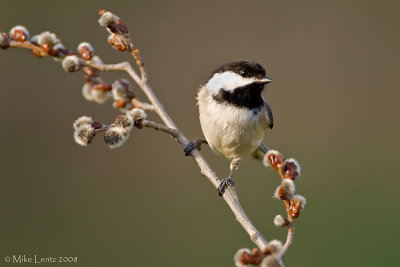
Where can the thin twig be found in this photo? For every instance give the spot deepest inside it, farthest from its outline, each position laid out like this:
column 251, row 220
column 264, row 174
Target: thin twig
column 139, row 62
column 139, row 104
column 41, row 52
column 290, row 226
column 159, row 127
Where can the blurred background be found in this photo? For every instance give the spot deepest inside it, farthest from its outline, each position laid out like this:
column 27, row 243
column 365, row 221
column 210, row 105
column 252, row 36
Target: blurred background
column 335, row 92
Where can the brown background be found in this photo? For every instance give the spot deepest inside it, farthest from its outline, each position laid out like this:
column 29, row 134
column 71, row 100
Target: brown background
column 335, row 91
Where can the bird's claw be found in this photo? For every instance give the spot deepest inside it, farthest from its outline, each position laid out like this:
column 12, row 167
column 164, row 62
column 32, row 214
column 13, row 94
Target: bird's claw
column 225, row 183
column 194, row 144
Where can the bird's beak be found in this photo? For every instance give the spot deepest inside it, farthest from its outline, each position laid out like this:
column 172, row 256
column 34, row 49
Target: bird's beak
column 265, row 80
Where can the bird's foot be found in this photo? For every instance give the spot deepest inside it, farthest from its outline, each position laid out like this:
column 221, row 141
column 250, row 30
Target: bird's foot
column 194, row 144
column 225, row 183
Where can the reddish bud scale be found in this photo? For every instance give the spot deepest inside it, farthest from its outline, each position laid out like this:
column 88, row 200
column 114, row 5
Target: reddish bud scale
column 102, row 11
column 246, row 258
column 257, row 256
column 4, row 41
column 18, row 35
column 96, row 125
column 107, row 87
column 266, row 251
column 121, row 27
column 118, row 43
column 52, row 52
column 85, row 53
column 102, row 87
column 294, row 208
column 46, row 47
column 113, row 27
column 37, row 52
column 130, row 94
column 290, row 170
column 275, row 160
column 119, row 103
column 254, row 258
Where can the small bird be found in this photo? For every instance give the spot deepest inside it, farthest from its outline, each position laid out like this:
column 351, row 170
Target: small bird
column 233, row 114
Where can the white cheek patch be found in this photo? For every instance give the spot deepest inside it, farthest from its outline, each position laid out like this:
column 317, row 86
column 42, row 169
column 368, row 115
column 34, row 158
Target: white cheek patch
column 228, row 81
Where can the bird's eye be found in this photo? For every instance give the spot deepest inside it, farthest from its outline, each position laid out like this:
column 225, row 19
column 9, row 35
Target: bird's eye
column 243, row 73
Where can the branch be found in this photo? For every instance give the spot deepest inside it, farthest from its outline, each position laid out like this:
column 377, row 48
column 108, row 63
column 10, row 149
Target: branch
column 115, row 134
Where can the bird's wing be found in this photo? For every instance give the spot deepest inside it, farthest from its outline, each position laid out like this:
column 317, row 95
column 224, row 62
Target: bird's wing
column 268, row 112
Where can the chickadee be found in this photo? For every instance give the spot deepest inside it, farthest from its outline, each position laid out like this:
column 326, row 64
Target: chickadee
column 233, row 113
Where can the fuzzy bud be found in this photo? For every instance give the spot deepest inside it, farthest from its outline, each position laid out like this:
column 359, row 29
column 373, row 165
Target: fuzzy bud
column 99, row 96
column 301, row 199
column 115, row 137
column 112, row 22
column 87, row 92
column 241, row 257
column 86, row 50
column 19, row 33
column 84, row 134
column 125, row 122
column 34, row 39
column 82, row 121
column 90, row 93
column 59, row 46
column 122, row 90
column 291, row 169
column 297, row 203
column 47, row 40
column 138, row 115
column 280, row 221
column 270, row 261
column 97, row 60
column 108, row 20
column 273, row 159
column 71, row 63
column 285, row 190
column 121, row 93
column 274, row 247
column 4, row 42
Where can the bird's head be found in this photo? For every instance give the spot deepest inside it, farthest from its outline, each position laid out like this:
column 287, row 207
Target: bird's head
column 239, row 83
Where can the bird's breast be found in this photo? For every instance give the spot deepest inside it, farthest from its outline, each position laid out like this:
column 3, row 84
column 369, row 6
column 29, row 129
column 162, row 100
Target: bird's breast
column 234, row 132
